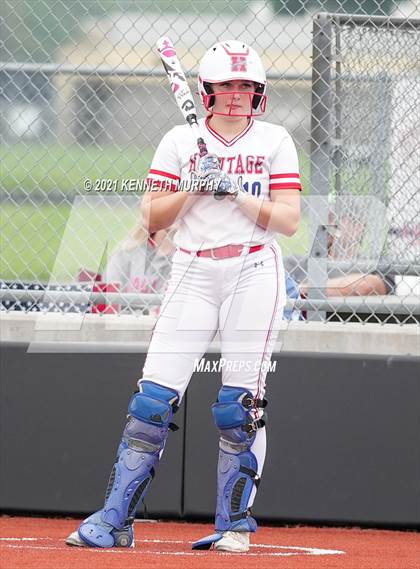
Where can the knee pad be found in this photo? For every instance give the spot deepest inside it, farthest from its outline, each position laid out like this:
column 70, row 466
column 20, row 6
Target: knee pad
column 150, row 413
column 237, row 467
column 149, row 419
column 233, row 415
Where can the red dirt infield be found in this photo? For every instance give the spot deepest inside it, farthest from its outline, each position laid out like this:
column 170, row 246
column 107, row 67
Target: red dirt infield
column 38, row 543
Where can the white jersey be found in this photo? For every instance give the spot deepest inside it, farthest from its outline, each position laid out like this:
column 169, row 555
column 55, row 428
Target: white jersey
column 263, row 154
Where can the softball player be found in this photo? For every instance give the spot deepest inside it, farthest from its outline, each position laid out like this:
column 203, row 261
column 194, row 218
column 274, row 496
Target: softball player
column 227, row 277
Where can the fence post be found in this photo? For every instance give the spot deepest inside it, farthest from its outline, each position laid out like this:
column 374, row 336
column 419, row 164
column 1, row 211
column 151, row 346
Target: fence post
column 321, row 124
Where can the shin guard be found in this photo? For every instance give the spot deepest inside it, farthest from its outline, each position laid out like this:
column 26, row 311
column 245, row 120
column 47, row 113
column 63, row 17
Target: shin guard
column 149, row 419
column 237, row 468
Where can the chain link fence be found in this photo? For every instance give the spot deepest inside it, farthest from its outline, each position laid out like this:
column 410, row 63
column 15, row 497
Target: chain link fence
column 84, row 102
column 365, row 157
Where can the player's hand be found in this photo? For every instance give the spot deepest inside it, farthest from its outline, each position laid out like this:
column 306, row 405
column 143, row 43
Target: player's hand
column 200, row 185
column 202, row 178
column 224, row 186
column 208, row 165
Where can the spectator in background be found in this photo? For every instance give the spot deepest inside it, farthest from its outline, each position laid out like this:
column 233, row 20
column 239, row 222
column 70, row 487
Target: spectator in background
column 141, row 263
column 293, row 292
column 338, row 283
column 344, row 242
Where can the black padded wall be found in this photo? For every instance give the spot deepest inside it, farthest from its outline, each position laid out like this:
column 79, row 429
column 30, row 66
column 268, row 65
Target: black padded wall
column 343, row 437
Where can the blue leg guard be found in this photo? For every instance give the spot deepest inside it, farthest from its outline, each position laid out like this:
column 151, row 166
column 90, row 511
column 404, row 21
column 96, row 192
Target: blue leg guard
column 237, row 468
column 149, row 419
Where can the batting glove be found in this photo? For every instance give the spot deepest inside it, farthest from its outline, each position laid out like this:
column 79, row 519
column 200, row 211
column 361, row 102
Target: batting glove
column 224, row 186
column 202, row 178
column 208, row 165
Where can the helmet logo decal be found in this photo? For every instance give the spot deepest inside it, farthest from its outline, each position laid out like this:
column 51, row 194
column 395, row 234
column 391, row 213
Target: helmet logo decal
column 238, row 64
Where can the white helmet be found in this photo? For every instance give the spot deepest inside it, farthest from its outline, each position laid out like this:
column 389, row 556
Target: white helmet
column 231, row 60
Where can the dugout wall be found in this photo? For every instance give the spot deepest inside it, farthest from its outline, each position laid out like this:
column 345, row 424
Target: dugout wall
column 343, row 437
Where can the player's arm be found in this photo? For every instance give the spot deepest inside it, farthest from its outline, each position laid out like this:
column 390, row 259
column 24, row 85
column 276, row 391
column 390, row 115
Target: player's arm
column 160, row 209
column 162, row 204
column 355, row 284
column 281, row 214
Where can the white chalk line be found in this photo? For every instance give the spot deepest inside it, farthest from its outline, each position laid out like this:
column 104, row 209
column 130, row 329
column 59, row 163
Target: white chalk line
column 26, row 539
column 175, row 553
column 296, row 550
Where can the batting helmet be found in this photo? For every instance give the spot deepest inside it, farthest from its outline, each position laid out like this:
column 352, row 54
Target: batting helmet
column 227, row 61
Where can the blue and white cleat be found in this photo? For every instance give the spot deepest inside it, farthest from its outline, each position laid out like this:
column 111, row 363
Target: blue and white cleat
column 207, row 542
column 229, row 541
column 74, row 540
column 233, row 542
column 95, row 533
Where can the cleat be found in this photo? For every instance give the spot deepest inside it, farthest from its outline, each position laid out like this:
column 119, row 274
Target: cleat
column 104, row 535
column 206, row 542
column 95, row 535
column 233, row 542
column 74, row 539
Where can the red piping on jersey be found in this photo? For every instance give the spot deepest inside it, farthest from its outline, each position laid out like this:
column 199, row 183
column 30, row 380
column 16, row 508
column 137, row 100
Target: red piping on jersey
column 285, row 186
column 223, row 140
column 269, row 329
column 275, row 176
column 166, row 174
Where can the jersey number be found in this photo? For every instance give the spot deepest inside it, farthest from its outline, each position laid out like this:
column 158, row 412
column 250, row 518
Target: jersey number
column 255, row 188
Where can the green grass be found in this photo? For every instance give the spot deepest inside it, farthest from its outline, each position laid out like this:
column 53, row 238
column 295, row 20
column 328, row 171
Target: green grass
column 51, row 243
column 46, row 168
column 304, row 167
column 42, row 241
column 48, row 242
column 298, row 244
column 27, row 168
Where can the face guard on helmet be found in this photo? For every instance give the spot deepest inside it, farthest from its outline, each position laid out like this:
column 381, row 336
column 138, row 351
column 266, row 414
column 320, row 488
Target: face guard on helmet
column 230, row 61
